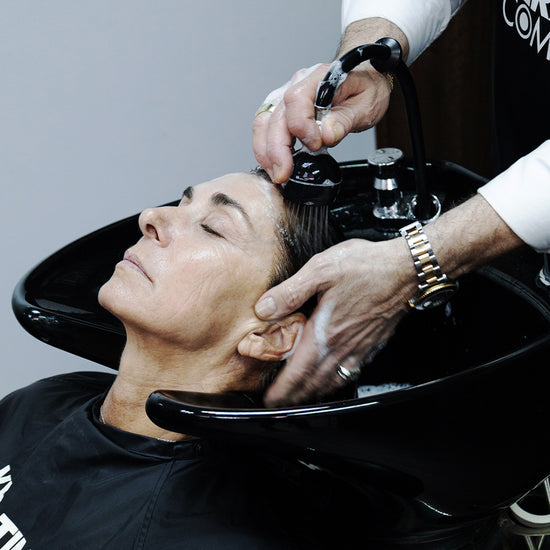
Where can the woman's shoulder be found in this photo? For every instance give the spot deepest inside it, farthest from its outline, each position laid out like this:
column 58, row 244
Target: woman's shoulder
column 54, row 394
column 85, row 384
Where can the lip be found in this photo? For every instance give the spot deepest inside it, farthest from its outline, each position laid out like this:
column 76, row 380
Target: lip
column 135, row 263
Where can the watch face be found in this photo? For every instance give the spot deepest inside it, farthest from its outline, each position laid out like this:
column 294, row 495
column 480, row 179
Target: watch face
column 435, row 298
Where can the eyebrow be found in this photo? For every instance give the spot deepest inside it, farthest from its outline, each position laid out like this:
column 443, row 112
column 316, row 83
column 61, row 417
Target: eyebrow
column 221, row 199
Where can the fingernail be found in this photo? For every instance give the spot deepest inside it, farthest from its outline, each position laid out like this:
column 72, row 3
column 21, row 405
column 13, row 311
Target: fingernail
column 278, row 174
column 265, row 308
column 338, row 131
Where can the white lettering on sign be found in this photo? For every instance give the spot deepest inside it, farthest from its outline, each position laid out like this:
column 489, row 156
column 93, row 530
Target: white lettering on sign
column 531, row 20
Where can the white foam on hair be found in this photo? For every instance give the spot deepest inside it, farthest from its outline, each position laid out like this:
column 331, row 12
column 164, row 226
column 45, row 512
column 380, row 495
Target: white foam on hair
column 296, row 342
column 268, row 190
column 321, row 321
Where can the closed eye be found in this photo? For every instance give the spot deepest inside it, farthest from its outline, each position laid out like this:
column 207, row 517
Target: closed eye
column 208, row 229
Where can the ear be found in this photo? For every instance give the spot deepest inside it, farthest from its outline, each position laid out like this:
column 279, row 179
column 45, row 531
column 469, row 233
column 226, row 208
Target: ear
column 274, row 340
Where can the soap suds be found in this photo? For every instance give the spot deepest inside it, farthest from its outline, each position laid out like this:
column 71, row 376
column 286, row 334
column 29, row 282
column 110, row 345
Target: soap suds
column 321, row 322
column 296, row 342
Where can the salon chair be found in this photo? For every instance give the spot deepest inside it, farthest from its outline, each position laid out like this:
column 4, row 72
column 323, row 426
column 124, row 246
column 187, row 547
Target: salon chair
column 462, row 434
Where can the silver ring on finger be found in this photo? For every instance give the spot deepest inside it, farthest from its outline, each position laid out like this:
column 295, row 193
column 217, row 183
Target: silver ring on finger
column 347, row 375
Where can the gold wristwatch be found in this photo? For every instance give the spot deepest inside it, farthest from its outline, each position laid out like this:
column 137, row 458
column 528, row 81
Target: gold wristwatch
column 434, row 287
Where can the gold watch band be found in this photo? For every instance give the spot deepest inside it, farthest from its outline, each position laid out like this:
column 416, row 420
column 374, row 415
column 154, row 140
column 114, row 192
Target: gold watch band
column 426, row 265
column 434, row 287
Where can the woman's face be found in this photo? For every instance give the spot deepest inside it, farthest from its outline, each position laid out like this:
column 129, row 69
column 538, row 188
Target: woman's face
column 196, row 274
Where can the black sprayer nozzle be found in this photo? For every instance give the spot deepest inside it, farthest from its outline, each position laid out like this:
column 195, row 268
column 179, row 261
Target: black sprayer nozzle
column 315, row 179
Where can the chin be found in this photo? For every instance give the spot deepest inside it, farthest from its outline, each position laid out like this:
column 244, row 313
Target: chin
column 114, row 297
column 104, row 296
column 122, row 302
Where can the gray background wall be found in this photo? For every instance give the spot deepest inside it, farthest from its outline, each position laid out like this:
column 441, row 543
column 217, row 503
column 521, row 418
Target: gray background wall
column 111, row 106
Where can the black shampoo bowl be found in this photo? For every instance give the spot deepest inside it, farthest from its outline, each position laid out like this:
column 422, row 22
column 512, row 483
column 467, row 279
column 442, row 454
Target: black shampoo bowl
column 467, row 435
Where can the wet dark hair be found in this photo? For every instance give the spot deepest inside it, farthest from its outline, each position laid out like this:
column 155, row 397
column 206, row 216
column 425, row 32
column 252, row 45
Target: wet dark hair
column 303, row 231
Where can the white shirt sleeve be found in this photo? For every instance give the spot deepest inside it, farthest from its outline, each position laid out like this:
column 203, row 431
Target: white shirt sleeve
column 422, row 21
column 521, row 197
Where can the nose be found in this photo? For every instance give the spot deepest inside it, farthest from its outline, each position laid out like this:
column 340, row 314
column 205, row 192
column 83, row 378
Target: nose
column 156, row 224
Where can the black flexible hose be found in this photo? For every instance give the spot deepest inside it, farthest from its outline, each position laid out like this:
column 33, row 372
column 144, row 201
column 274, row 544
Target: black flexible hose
column 385, row 56
column 424, row 200
column 340, row 68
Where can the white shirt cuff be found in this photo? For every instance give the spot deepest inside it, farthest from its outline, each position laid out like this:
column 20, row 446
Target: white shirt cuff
column 421, row 21
column 521, row 197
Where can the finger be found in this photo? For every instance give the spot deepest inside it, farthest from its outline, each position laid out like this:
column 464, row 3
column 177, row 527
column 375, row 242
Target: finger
column 328, row 343
column 288, row 296
column 309, row 382
column 359, row 104
column 301, row 74
column 302, row 377
column 348, row 370
column 338, row 123
column 297, row 379
column 313, row 371
column 278, row 142
column 299, row 102
column 261, row 125
column 273, row 157
column 259, row 140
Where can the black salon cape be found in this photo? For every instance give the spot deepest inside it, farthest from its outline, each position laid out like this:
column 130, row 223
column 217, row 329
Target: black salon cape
column 68, row 481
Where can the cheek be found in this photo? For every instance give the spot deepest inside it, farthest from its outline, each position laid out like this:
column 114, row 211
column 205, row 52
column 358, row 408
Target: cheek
column 217, row 270
column 218, row 293
column 209, row 286
column 204, row 308
column 195, row 296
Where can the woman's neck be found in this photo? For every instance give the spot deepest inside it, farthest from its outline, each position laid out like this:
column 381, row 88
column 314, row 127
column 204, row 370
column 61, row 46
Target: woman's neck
column 124, row 408
column 147, row 367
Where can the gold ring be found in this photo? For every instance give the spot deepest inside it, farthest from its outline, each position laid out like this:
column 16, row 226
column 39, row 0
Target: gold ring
column 265, row 107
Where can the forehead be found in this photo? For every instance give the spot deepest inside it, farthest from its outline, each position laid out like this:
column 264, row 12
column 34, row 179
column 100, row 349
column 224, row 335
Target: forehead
column 240, row 183
column 261, row 200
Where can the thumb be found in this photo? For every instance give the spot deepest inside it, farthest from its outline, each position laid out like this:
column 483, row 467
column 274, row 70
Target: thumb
column 286, row 297
column 344, row 119
column 337, row 125
column 359, row 104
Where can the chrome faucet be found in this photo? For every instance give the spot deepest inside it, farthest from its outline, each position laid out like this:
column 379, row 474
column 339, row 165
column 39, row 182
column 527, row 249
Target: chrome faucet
column 389, row 197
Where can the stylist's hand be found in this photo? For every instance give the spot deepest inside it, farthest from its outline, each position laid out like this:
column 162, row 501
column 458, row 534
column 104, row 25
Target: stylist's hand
column 359, row 103
column 362, row 290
